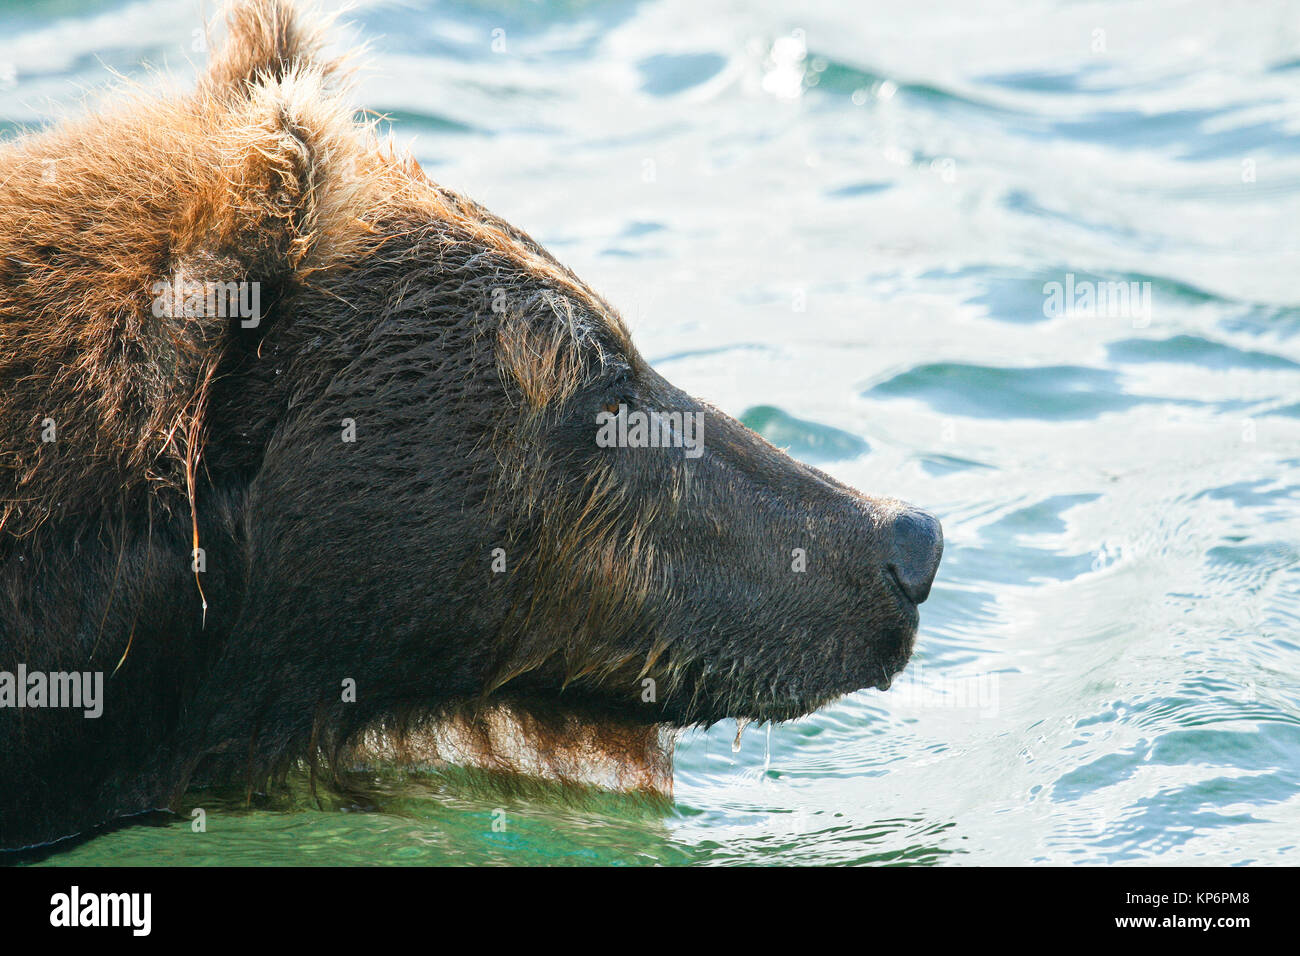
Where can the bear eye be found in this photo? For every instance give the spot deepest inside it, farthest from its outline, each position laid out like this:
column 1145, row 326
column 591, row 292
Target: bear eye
column 617, row 390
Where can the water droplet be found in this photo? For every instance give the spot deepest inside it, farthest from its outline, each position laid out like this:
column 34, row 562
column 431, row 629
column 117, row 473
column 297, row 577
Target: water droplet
column 741, row 724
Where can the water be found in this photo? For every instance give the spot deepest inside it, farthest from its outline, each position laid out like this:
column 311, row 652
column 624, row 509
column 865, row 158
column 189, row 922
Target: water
column 839, row 224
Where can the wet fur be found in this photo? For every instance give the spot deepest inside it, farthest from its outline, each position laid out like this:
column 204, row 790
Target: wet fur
column 472, row 363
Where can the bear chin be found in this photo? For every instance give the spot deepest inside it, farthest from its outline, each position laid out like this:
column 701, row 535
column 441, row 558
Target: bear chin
column 566, row 747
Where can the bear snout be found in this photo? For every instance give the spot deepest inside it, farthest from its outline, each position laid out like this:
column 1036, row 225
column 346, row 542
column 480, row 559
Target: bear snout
column 915, row 547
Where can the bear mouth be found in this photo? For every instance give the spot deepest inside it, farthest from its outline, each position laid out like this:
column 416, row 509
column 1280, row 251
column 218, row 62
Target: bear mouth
column 570, row 747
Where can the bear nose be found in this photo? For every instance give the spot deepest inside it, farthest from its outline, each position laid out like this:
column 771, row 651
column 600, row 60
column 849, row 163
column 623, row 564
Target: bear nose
column 915, row 546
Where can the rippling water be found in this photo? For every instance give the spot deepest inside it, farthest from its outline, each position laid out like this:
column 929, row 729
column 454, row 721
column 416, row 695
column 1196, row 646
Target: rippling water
column 844, row 225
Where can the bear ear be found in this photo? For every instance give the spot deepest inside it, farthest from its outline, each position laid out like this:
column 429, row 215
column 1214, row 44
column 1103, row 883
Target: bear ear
column 266, row 41
column 260, row 207
column 285, row 178
column 250, row 225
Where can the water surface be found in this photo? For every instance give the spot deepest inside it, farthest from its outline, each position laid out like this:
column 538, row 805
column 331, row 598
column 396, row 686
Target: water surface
column 842, row 222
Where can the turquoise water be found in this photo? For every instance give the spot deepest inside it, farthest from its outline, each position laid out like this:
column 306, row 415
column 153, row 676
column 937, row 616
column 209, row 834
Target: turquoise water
column 839, row 223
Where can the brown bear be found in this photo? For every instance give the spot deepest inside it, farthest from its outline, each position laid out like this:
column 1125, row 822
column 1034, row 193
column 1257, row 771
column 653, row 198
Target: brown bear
column 305, row 458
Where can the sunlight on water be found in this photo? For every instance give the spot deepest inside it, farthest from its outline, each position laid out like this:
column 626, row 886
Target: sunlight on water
column 1030, row 267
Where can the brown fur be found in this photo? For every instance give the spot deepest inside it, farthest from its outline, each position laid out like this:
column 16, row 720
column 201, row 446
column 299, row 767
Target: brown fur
column 563, row 747
column 272, row 181
column 545, row 362
column 261, row 174
column 101, row 210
